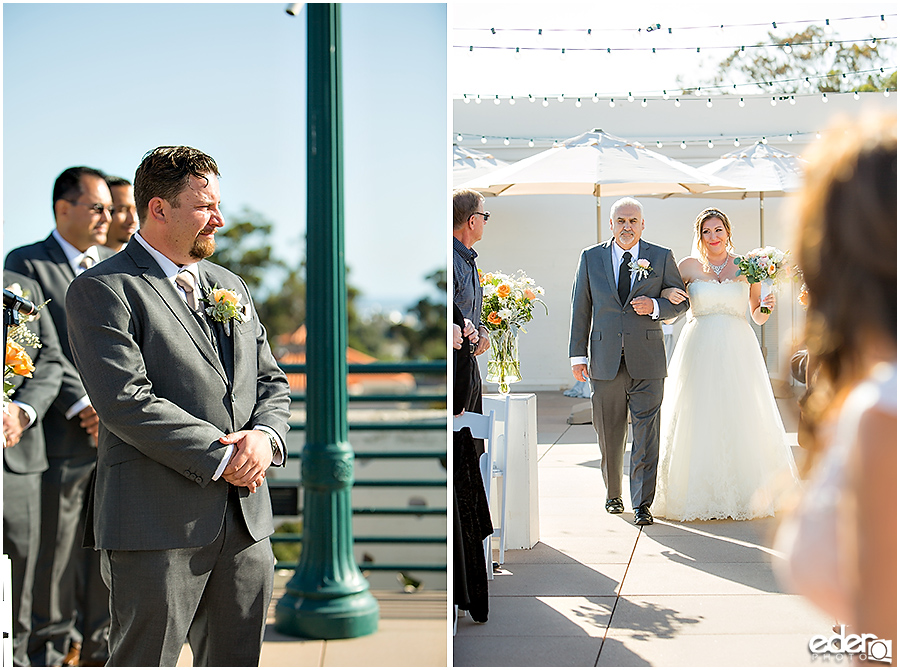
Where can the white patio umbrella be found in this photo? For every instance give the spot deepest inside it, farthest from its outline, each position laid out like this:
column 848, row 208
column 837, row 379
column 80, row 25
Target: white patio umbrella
column 469, row 164
column 596, row 163
column 762, row 170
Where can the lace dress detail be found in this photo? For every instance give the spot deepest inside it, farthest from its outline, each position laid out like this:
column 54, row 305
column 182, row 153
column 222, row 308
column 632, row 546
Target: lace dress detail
column 723, row 449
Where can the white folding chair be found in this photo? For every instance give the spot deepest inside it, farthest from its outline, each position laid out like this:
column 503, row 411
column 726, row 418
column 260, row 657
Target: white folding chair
column 498, row 460
column 482, row 428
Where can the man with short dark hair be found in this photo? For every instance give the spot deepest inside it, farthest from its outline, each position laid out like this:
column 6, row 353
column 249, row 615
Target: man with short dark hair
column 81, row 207
column 193, row 411
column 124, row 221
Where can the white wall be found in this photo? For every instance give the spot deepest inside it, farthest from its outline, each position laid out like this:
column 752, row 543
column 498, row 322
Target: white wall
column 544, row 235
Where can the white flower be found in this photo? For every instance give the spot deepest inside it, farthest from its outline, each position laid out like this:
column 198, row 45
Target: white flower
column 505, row 313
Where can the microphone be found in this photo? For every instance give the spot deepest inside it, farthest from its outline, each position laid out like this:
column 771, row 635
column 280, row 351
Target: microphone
column 16, row 302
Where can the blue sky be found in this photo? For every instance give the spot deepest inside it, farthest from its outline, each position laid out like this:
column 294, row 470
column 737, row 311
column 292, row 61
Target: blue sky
column 101, row 84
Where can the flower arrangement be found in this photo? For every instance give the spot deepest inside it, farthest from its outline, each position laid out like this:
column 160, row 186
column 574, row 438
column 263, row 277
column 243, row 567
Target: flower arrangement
column 224, row 305
column 766, row 265
column 17, row 360
column 507, row 304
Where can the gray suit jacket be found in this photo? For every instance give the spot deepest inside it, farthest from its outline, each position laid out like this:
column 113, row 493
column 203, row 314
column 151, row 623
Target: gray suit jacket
column 46, row 263
column 601, row 325
column 164, row 399
column 29, row 456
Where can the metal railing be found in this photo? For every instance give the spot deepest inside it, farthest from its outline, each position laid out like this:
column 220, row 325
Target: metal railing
column 283, row 486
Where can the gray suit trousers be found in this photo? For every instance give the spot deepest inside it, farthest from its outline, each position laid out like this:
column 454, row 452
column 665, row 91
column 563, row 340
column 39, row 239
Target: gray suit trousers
column 216, row 597
column 611, row 401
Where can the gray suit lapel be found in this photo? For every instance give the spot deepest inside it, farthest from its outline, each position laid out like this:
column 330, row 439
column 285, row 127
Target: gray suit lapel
column 58, row 256
column 226, row 342
column 174, row 304
column 606, row 257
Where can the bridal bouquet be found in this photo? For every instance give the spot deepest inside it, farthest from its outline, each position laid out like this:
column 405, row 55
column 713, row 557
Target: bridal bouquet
column 766, row 265
column 508, row 303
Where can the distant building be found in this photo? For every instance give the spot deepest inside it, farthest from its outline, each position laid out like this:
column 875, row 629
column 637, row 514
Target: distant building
column 292, row 350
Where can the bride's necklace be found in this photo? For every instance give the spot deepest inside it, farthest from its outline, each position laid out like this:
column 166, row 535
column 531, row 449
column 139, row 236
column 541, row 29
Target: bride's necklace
column 718, row 268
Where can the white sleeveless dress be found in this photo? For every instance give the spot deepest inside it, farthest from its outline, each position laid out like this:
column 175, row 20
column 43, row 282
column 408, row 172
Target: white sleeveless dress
column 723, row 449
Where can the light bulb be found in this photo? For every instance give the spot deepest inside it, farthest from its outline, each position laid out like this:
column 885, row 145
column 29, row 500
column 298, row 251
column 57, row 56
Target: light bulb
column 644, row 102
column 824, row 97
column 792, row 101
column 709, row 102
column 496, row 99
column 545, row 103
column 459, row 137
column 578, row 102
column 710, row 144
column 887, row 93
column 774, row 102
column 512, row 100
column 506, row 141
column 466, row 99
column 736, row 142
column 665, row 95
column 658, row 144
column 791, row 137
column 741, row 103
column 630, row 97
column 612, row 103
column 477, row 99
column 561, row 97
column 787, row 48
column 595, row 98
column 856, row 95
column 683, row 144
column 531, row 143
column 677, row 102
column 764, row 140
column 483, row 139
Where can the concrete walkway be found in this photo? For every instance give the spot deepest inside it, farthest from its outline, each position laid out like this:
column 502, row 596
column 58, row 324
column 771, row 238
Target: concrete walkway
column 599, row 591
column 412, row 632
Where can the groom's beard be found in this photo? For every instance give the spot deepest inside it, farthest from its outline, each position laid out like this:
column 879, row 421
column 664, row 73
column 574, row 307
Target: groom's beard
column 202, row 248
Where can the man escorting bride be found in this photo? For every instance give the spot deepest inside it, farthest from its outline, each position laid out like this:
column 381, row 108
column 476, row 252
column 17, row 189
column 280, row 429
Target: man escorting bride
column 713, row 446
column 723, row 451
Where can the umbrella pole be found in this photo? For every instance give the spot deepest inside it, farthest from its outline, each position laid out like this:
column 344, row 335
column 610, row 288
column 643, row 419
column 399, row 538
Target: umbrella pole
column 599, row 222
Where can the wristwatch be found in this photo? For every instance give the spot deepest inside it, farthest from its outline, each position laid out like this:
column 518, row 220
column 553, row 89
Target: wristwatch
column 273, row 441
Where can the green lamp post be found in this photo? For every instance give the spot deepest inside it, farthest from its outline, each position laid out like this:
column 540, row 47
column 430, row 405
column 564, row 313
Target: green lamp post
column 327, row 597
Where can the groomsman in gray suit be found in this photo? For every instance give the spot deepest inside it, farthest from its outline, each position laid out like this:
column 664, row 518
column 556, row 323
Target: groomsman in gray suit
column 82, row 205
column 193, row 411
column 25, row 458
column 616, row 340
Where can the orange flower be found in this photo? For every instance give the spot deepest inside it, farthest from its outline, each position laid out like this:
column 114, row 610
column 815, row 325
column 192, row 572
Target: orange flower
column 494, row 318
column 504, row 290
column 529, row 294
column 224, row 295
column 18, row 359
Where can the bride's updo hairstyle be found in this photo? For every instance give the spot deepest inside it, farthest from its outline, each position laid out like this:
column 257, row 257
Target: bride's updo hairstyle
column 846, row 247
column 699, row 247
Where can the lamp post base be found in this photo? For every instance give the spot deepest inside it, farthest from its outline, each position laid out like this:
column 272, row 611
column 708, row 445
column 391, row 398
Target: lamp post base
column 336, row 618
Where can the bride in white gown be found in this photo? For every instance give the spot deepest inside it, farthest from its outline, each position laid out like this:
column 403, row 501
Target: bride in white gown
column 723, row 449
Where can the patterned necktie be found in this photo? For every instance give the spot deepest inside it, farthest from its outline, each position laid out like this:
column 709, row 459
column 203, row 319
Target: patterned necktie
column 624, row 278
column 188, row 284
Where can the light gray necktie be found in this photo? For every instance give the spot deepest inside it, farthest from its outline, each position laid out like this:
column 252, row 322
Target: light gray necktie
column 188, row 283
column 85, row 263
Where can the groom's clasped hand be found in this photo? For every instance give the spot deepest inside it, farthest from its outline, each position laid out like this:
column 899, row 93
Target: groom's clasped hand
column 252, row 456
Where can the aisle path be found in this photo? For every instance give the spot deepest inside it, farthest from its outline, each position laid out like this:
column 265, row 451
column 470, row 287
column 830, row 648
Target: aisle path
column 598, row 590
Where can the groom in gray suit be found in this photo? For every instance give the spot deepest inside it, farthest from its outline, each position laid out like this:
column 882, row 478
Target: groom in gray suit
column 193, row 411
column 616, row 340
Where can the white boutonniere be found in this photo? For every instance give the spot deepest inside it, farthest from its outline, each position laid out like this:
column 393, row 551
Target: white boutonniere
column 224, row 305
column 640, row 267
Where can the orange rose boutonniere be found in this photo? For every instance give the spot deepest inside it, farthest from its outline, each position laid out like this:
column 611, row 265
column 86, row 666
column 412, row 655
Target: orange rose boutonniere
column 224, row 305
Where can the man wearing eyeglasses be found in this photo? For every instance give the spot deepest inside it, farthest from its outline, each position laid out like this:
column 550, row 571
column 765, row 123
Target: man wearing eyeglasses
column 82, row 206
column 469, row 219
column 124, row 215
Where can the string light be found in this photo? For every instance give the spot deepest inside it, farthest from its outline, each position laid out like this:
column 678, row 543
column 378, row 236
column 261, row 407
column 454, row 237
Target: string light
column 764, row 140
column 545, row 103
column 665, row 95
column 496, row 99
column 710, row 144
column 659, row 144
column 856, row 95
column 824, row 97
column 578, row 102
column 612, row 103
column 630, row 97
column 791, row 137
column 709, row 102
column 459, row 137
column 787, row 48
column 477, row 99
column 644, row 102
column 466, row 99
column 483, row 139
column 677, row 102
column 774, row 102
column 737, row 142
column 531, row 143
column 792, row 101
column 596, row 98
column 561, row 97
column 741, row 103
column 506, row 141
column 887, row 93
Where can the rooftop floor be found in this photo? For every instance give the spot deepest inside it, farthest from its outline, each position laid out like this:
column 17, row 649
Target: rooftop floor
column 599, row 591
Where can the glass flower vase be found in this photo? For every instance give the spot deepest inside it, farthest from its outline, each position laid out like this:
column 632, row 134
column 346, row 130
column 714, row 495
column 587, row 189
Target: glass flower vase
column 503, row 366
